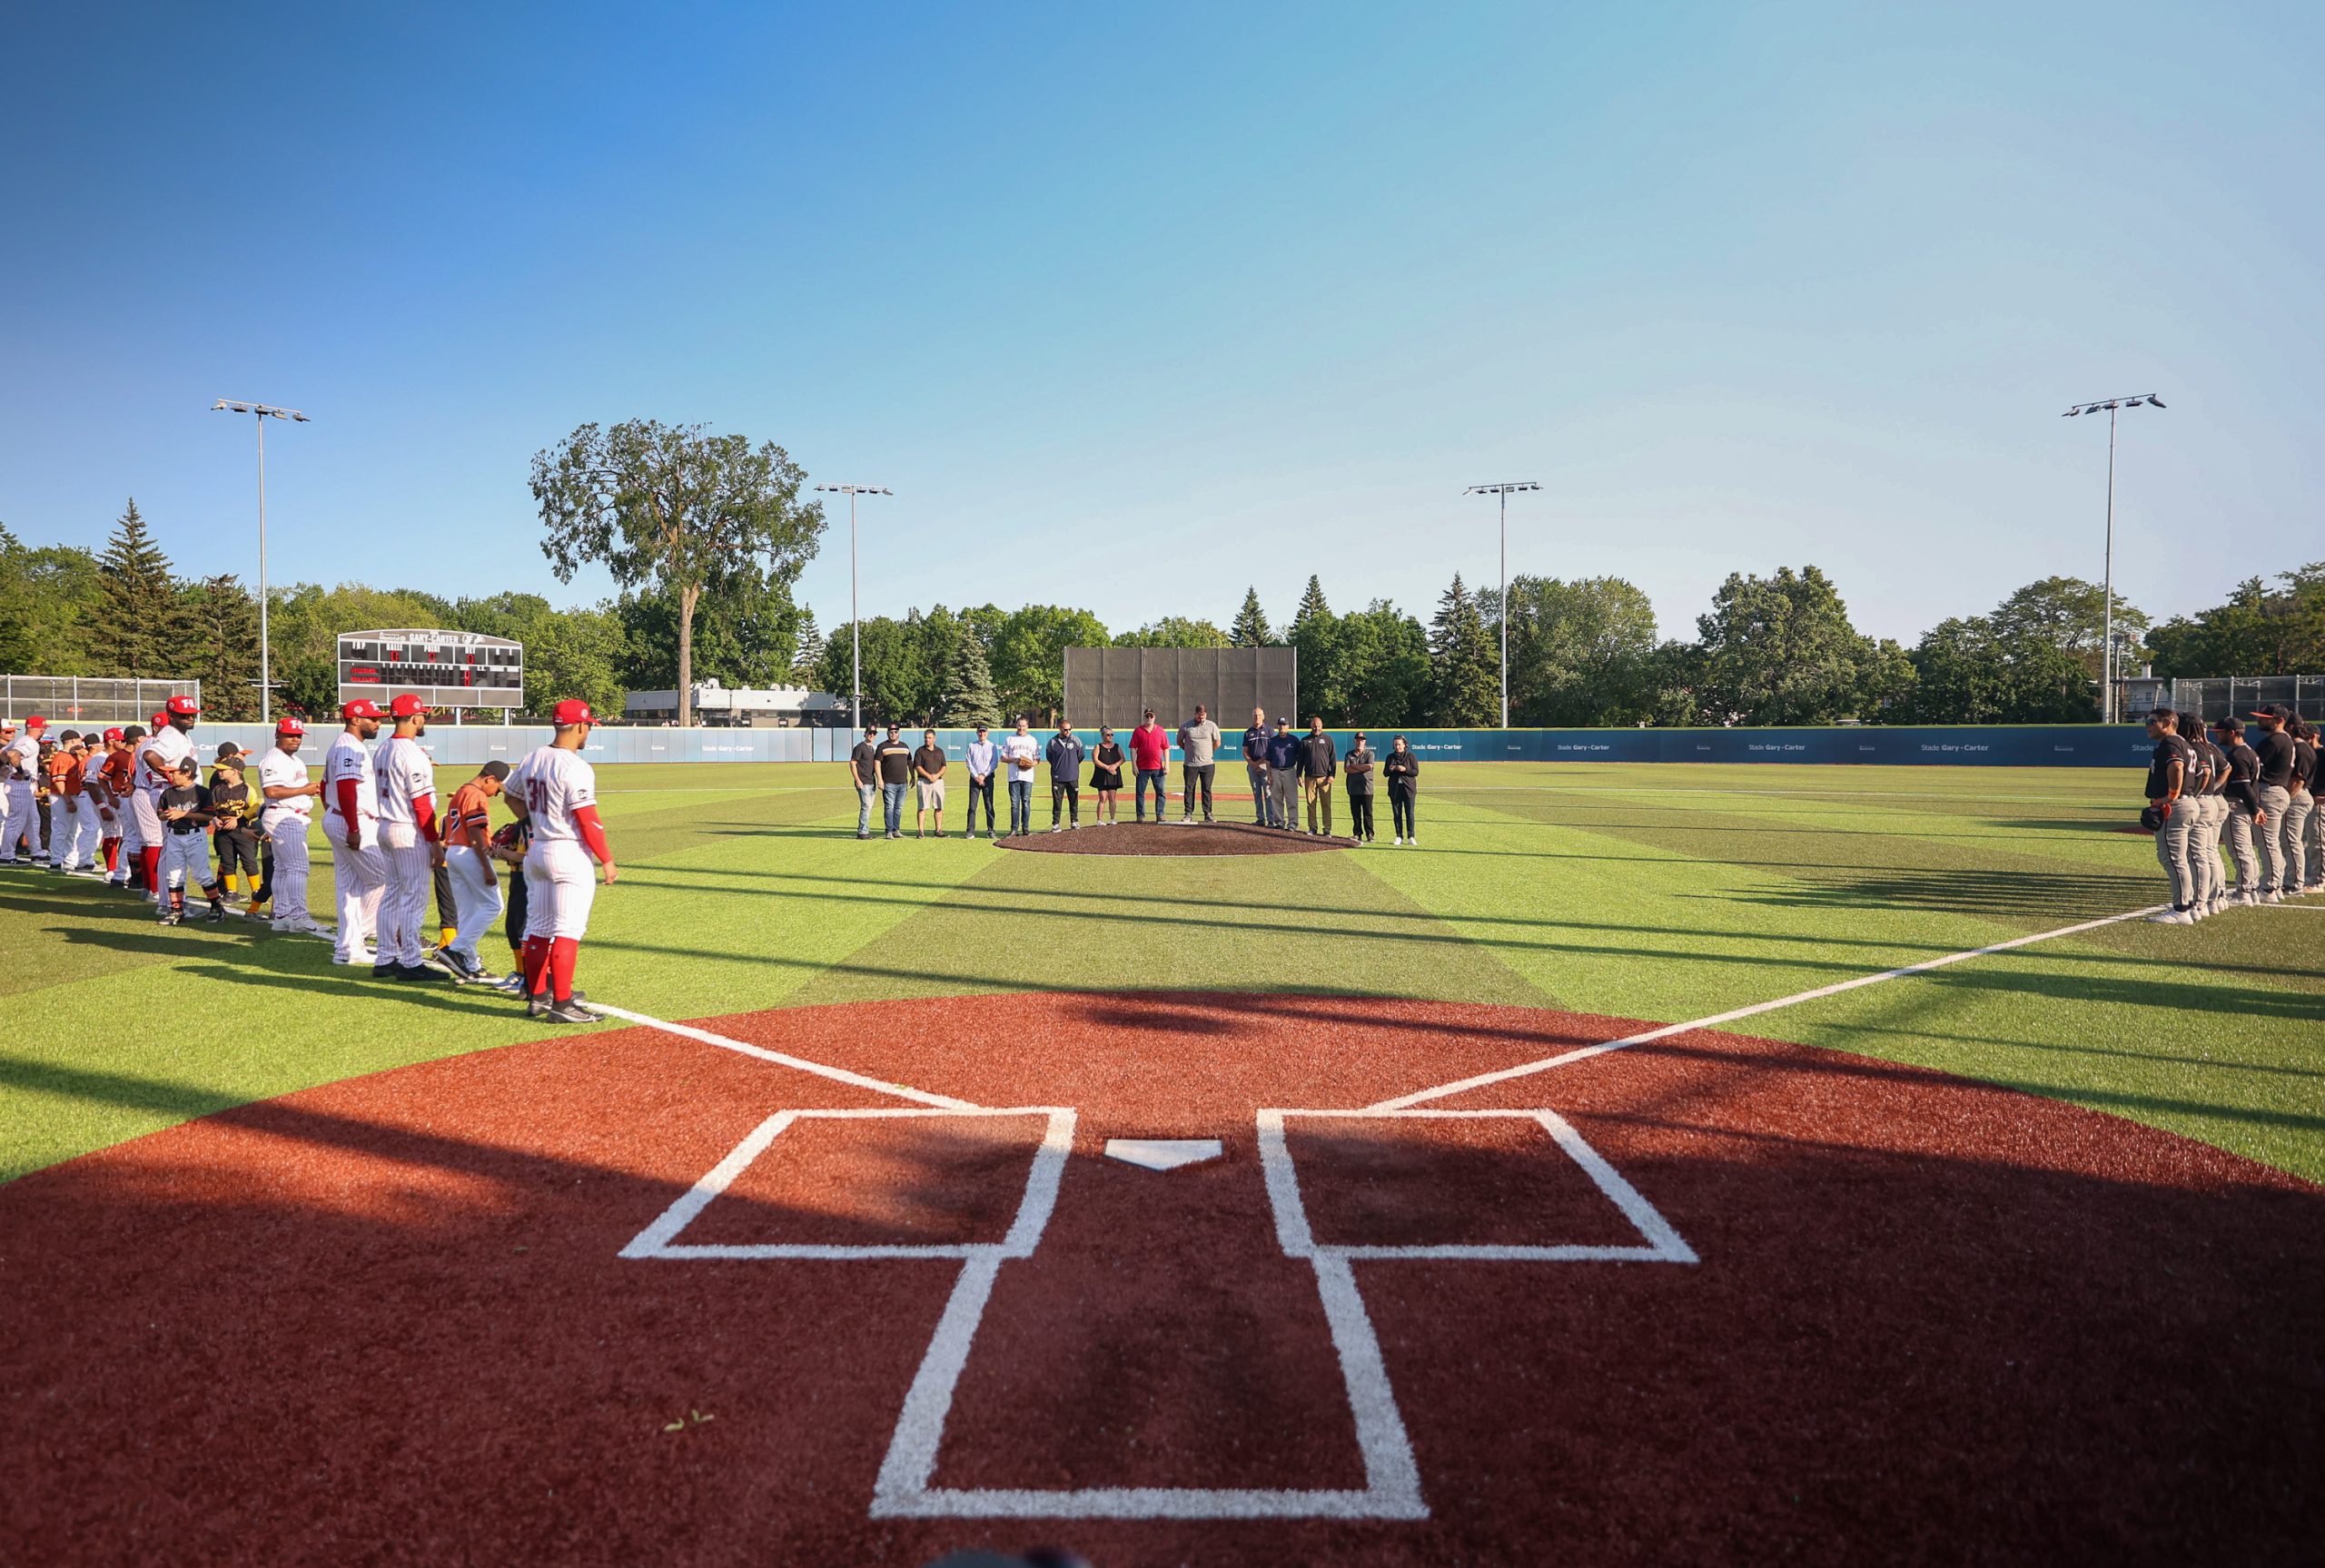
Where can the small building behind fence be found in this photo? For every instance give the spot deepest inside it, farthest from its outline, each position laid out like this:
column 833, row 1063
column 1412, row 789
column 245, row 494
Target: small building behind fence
column 73, row 702
column 777, row 707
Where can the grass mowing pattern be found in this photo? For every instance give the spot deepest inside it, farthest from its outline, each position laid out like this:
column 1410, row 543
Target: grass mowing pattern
column 1662, row 893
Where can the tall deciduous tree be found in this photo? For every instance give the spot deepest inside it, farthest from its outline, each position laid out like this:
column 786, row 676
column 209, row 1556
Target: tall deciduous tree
column 2071, row 614
column 1250, row 629
column 1968, row 671
column 49, row 607
column 1463, row 671
column 1175, row 632
column 744, row 632
column 142, row 626
column 1581, row 654
column 1781, row 651
column 2257, row 632
column 675, row 509
column 1381, row 656
column 1029, row 656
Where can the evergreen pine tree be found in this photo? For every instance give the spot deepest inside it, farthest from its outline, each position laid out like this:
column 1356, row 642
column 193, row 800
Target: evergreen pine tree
column 969, row 696
column 1250, row 629
column 1312, row 608
column 807, row 649
column 1462, row 661
column 220, row 647
column 141, row 625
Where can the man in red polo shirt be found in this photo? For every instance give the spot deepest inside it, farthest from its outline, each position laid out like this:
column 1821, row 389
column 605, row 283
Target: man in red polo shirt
column 1150, row 753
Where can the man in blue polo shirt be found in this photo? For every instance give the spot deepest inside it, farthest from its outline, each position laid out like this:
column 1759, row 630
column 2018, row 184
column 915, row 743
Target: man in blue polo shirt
column 1255, row 768
column 1284, row 775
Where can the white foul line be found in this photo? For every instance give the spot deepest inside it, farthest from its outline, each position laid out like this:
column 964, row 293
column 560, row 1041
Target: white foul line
column 800, row 1063
column 1527, row 1069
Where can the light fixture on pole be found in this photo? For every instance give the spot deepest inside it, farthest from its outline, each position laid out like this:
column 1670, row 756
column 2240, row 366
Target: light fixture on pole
column 855, row 621
column 1502, row 491
column 2112, row 406
column 264, row 411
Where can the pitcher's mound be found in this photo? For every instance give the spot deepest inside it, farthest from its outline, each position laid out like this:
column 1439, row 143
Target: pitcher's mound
column 1148, row 838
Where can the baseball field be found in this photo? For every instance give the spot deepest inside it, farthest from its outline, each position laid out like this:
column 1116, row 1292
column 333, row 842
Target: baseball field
column 1655, row 1163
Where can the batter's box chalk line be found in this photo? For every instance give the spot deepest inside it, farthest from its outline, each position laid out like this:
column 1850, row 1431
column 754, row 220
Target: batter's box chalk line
column 905, row 1485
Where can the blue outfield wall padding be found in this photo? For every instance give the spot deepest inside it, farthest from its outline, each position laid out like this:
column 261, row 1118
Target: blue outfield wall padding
column 2011, row 746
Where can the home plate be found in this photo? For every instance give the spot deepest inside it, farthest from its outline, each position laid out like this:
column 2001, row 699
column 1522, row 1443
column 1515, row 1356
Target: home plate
column 1162, row 1153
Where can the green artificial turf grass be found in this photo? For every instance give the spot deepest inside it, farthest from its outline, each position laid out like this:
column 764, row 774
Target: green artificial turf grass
column 1661, row 893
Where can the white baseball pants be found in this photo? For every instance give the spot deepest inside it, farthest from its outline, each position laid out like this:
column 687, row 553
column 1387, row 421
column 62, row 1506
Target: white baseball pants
column 357, row 882
column 476, row 894
column 406, row 865
column 185, row 861
column 560, row 881
column 87, row 840
column 288, row 836
column 19, row 820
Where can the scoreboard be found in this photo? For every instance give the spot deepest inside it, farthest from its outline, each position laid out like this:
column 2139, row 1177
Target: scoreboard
column 443, row 669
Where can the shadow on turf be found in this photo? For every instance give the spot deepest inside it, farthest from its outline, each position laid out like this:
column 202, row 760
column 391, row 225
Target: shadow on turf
column 1999, row 891
column 415, row 1343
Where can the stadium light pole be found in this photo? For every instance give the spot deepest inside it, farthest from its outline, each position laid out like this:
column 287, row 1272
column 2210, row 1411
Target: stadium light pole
column 2107, row 635
column 1502, row 491
column 264, row 411
column 855, row 621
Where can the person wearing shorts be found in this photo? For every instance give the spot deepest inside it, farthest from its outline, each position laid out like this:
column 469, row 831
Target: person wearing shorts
column 928, row 781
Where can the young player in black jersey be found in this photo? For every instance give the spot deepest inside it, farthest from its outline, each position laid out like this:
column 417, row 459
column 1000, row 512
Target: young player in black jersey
column 2167, row 781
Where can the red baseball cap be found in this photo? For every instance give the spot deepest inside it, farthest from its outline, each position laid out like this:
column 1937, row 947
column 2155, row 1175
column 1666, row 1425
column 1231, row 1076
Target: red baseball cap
column 183, row 705
column 406, row 706
column 572, row 711
column 112, row 734
column 35, row 721
column 159, row 720
column 289, row 727
column 361, row 708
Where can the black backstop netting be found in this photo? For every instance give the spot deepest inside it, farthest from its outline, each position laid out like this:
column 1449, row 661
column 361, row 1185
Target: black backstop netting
column 1114, row 686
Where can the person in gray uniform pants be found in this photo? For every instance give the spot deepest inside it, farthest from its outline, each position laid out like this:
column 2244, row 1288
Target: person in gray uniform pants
column 2212, row 821
column 2242, row 796
column 2303, row 820
column 2174, row 822
column 2204, row 838
column 2279, row 869
column 2315, row 881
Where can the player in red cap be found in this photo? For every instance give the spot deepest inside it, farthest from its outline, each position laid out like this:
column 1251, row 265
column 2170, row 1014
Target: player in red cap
column 352, row 822
column 404, row 778
column 290, row 798
column 112, row 782
column 19, row 763
column 555, row 793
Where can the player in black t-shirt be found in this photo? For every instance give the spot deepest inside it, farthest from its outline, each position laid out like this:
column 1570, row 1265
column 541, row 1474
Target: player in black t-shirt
column 2280, row 849
column 183, row 807
column 2307, row 821
column 2203, row 834
column 2242, row 796
column 2167, row 781
column 864, row 771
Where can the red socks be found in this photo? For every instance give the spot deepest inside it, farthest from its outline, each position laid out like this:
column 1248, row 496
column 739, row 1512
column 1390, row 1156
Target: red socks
column 149, row 861
column 562, row 951
column 536, row 964
column 112, row 847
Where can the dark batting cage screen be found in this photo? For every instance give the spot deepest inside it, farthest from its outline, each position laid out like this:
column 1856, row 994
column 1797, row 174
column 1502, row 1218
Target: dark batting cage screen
column 1114, row 686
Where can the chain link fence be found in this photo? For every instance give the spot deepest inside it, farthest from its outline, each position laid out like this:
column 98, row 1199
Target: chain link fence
column 2225, row 696
column 75, row 700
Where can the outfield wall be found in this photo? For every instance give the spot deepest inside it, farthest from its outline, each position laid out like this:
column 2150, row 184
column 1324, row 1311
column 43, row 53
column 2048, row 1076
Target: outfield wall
column 2019, row 746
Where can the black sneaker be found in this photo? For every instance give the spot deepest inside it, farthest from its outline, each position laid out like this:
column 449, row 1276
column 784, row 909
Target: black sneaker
column 864, row 835
column 412, row 972
column 568, row 1011
column 216, row 912
column 385, row 971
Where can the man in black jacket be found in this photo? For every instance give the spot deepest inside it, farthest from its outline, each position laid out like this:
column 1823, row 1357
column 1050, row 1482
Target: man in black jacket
column 1319, row 760
column 1357, row 767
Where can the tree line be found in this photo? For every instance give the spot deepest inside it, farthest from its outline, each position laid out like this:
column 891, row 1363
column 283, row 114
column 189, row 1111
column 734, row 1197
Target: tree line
column 1583, row 653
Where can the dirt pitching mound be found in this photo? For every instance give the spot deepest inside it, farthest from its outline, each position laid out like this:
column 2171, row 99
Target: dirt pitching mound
column 1148, row 838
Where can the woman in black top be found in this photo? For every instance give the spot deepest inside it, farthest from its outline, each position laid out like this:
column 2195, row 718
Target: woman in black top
column 1402, row 770
column 1357, row 767
column 1106, row 776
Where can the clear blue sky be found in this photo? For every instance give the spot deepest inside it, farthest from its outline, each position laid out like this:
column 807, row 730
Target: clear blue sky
column 1134, row 305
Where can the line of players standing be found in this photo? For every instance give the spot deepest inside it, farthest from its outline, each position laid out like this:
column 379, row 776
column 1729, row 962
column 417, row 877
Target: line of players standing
column 2210, row 791
column 127, row 807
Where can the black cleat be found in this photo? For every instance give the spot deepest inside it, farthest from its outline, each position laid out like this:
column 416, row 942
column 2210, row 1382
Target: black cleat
column 568, row 1011
column 383, row 970
column 410, row 971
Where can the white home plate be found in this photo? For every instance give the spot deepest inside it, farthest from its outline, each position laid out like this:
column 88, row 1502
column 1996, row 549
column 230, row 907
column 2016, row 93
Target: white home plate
column 1162, row 1153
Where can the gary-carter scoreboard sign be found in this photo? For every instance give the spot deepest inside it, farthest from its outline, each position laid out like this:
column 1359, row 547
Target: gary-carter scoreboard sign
column 443, row 669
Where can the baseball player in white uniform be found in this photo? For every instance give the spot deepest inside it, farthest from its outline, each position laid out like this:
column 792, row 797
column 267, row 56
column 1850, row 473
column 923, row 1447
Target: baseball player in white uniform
column 106, row 757
column 19, row 761
column 129, row 869
column 85, row 840
column 556, row 793
column 352, row 822
column 404, row 778
column 289, row 797
column 158, row 756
